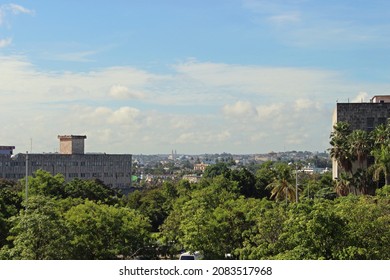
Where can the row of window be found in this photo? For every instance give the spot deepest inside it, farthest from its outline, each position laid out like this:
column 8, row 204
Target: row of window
column 74, row 175
column 59, row 163
column 12, row 163
column 82, row 163
column 98, row 175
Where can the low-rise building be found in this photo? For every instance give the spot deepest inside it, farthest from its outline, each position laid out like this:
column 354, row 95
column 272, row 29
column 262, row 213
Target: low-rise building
column 112, row 169
column 201, row 167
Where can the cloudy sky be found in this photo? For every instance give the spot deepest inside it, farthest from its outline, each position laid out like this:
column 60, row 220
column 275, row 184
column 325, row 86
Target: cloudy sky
column 149, row 76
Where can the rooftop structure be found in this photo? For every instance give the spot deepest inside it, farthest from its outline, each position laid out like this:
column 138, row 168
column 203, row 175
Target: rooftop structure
column 72, row 144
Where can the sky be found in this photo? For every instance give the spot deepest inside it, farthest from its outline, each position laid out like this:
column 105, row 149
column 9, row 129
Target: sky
column 150, row 76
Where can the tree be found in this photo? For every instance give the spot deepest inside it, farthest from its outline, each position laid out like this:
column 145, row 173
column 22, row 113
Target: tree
column 340, row 150
column 282, row 187
column 380, row 135
column 98, row 231
column 43, row 183
column 264, row 176
column 381, row 152
column 214, row 170
column 94, row 190
column 246, row 182
column 342, row 185
column 152, row 206
column 38, row 233
column 382, row 163
column 367, row 224
column 311, row 231
column 360, row 145
column 261, row 240
column 10, row 205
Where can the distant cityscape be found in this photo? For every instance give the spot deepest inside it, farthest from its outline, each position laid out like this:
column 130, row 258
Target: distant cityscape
column 152, row 169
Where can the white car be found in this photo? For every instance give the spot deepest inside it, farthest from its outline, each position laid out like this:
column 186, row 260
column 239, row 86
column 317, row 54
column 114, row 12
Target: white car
column 190, row 256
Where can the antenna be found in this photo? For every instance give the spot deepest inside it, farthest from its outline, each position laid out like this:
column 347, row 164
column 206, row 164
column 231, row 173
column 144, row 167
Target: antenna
column 30, row 145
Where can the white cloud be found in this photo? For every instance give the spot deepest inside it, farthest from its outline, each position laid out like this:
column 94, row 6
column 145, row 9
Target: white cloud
column 239, row 109
column 122, row 92
column 203, row 107
column 323, row 26
column 79, row 56
column 269, row 111
column 124, row 116
column 277, row 82
column 13, row 9
column 18, row 9
column 303, row 104
column 5, row 42
column 286, row 18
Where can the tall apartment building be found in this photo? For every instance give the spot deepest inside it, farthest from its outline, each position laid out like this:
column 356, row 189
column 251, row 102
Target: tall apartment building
column 113, row 169
column 365, row 116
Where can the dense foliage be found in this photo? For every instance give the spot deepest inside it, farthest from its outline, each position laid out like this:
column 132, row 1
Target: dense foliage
column 231, row 212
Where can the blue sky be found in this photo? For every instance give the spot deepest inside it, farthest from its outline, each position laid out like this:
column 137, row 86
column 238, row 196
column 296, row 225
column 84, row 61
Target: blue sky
column 237, row 76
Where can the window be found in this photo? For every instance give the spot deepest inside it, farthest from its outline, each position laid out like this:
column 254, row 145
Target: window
column 370, row 124
column 382, row 121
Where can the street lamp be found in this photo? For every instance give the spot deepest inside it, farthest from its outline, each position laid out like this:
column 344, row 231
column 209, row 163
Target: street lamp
column 26, row 178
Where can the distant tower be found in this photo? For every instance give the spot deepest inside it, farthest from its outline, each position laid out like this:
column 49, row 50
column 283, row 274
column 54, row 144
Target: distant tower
column 71, row 144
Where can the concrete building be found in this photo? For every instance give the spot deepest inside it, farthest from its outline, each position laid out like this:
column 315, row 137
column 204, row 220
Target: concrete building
column 365, row 116
column 113, row 169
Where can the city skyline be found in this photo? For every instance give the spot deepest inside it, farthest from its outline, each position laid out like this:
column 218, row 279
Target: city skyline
column 146, row 77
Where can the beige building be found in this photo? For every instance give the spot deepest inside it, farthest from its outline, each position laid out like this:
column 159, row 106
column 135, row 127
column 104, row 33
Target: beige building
column 113, row 169
column 200, row 166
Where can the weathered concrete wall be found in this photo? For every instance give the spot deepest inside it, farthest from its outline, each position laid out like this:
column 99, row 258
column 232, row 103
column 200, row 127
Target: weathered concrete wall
column 365, row 116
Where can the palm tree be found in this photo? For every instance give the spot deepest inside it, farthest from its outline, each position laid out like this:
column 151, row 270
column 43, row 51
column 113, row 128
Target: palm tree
column 340, row 150
column 360, row 145
column 380, row 135
column 361, row 181
column 381, row 152
column 382, row 163
column 343, row 184
column 282, row 187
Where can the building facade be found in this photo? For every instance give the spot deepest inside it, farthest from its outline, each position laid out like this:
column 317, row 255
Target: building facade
column 364, row 116
column 112, row 169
